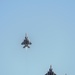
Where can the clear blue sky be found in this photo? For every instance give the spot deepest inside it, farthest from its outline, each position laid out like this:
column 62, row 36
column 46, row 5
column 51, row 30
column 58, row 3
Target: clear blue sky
column 51, row 29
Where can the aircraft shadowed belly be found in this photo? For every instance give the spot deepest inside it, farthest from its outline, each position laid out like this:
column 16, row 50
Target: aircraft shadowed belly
column 26, row 42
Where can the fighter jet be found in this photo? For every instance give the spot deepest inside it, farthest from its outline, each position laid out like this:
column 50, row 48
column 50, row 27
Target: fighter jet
column 26, row 42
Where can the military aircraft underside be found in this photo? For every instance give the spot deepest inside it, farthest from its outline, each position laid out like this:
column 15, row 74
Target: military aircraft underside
column 26, row 42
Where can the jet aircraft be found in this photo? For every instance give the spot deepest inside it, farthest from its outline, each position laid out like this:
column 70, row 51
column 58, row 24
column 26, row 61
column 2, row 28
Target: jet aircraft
column 26, row 42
